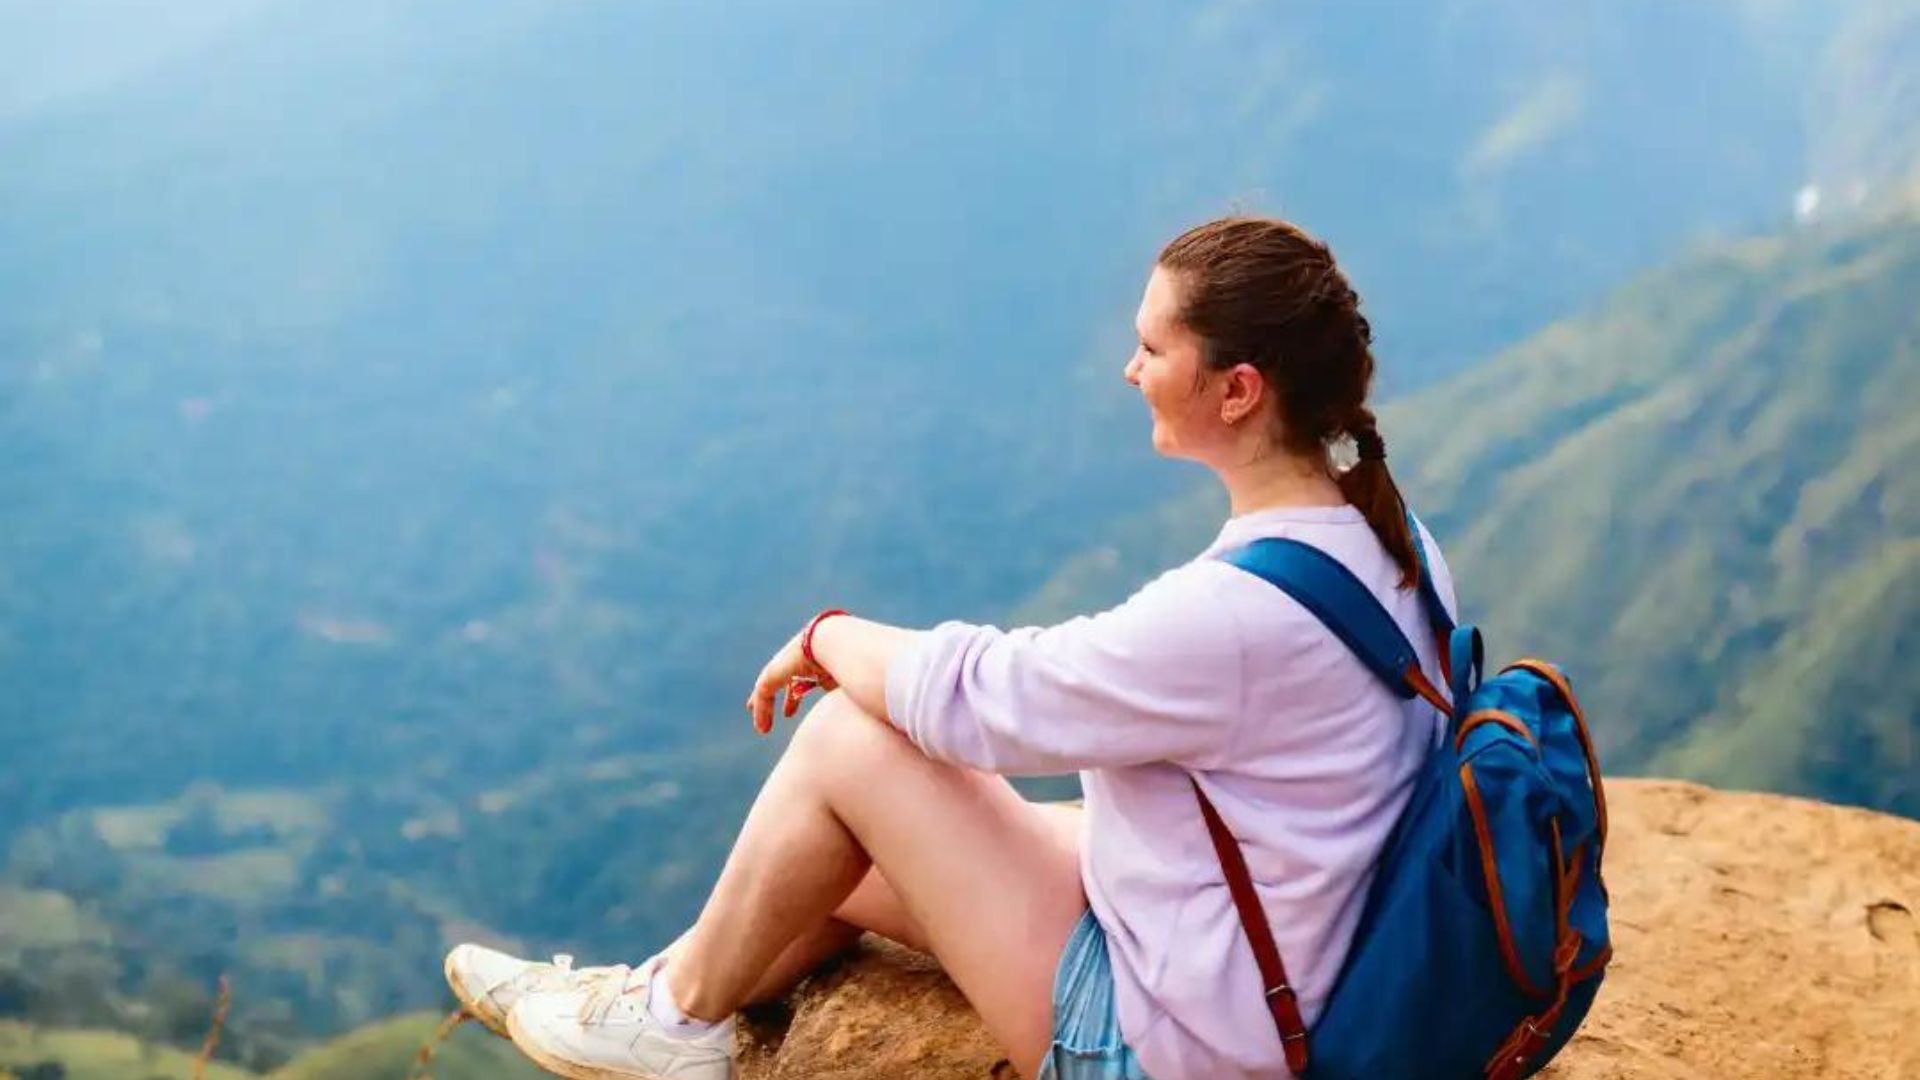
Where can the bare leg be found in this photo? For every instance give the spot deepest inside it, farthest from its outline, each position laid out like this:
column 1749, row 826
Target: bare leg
column 991, row 882
column 873, row 906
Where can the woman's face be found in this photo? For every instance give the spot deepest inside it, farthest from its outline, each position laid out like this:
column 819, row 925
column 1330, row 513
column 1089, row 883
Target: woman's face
column 1192, row 410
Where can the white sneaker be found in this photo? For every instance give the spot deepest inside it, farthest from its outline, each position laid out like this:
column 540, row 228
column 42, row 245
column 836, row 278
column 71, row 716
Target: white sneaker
column 488, row 981
column 601, row 1030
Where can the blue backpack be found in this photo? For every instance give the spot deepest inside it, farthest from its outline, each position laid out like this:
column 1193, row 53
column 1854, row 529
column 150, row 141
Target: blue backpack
column 1484, row 937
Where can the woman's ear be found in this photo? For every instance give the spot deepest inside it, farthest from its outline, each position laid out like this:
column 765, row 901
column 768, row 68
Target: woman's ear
column 1245, row 389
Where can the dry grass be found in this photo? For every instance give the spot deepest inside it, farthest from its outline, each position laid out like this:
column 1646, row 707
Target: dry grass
column 220, row 1006
column 423, row 1058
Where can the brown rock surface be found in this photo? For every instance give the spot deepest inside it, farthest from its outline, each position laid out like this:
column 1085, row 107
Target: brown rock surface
column 1755, row 935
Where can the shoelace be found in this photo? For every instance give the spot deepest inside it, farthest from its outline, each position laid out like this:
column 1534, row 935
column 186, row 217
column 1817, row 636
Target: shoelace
column 562, row 967
column 540, row 978
column 606, row 987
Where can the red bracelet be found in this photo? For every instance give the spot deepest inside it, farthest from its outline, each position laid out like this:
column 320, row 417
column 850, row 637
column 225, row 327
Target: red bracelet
column 806, row 636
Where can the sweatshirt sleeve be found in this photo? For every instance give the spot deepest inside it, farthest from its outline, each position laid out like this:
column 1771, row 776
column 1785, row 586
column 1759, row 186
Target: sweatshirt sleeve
column 1158, row 678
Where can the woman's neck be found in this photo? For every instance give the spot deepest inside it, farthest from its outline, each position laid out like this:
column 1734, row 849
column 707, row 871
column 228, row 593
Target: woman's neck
column 1279, row 480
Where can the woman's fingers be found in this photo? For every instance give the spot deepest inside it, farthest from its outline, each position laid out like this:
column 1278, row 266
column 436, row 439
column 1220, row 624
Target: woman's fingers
column 767, row 690
column 761, row 703
column 786, row 672
column 798, row 688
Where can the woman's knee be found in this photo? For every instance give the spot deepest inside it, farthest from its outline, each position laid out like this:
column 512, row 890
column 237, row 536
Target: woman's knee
column 838, row 733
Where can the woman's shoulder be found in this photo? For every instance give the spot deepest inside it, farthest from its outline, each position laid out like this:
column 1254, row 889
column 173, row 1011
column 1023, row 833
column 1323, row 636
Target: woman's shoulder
column 1189, row 599
column 1208, row 608
column 1272, row 615
column 1207, row 604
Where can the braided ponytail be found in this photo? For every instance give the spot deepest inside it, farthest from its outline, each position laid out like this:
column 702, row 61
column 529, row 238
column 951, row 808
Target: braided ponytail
column 1368, row 485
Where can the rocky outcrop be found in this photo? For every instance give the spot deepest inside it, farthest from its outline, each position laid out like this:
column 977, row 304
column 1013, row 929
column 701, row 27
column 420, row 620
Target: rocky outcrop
column 1755, row 935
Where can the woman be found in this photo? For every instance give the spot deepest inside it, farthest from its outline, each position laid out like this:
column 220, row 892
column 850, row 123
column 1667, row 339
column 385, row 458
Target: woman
column 1099, row 942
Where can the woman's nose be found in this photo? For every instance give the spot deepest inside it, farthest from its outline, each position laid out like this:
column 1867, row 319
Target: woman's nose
column 1131, row 372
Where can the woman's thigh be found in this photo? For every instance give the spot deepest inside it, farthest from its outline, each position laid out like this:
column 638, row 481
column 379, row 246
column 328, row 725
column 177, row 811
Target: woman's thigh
column 875, row 907
column 990, row 881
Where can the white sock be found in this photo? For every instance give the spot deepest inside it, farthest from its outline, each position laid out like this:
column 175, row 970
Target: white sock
column 666, row 1011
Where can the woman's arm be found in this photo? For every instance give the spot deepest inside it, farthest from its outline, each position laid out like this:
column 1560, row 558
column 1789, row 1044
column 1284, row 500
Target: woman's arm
column 853, row 654
column 1161, row 677
column 1158, row 678
column 856, row 653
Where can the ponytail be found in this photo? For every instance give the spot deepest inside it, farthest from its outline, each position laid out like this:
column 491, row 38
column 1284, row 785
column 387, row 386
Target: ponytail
column 1368, row 485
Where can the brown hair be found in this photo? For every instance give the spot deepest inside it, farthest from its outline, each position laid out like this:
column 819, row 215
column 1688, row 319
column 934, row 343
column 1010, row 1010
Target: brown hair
column 1261, row 291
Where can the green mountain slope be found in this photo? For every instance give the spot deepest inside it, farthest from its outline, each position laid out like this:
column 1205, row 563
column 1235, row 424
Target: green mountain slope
column 1699, row 497
column 324, row 939
column 100, row 1055
column 381, row 1051
column 385, row 1051
column 1701, row 500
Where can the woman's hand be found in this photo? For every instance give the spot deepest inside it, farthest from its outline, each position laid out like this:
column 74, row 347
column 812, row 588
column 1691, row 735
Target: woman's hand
column 789, row 670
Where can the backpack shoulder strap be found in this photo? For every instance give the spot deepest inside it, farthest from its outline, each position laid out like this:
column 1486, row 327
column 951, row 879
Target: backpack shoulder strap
column 1330, row 591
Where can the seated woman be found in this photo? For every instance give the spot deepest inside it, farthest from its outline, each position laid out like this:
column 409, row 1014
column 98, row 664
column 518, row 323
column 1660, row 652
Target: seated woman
column 1095, row 942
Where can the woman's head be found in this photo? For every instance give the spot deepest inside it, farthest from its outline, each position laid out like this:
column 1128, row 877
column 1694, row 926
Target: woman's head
column 1250, row 334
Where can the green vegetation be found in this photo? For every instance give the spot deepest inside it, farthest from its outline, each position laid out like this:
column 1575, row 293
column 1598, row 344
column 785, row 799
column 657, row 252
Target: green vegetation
column 99, row 1055
column 382, row 1051
column 385, row 1051
column 39, row 918
column 1702, row 499
column 343, row 909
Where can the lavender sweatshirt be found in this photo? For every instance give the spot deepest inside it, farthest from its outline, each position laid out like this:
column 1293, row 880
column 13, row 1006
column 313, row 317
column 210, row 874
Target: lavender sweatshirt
column 1211, row 672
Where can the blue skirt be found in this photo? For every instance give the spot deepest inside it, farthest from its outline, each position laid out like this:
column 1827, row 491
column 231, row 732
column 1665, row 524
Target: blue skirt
column 1086, row 1032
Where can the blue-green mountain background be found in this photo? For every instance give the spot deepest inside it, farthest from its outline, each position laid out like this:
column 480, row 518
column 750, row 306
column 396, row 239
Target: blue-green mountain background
column 419, row 421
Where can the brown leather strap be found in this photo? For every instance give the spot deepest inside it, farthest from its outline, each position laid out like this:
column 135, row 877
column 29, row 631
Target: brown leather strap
column 1282, row 1001
column 1418, row 680
column 1511, row 1060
